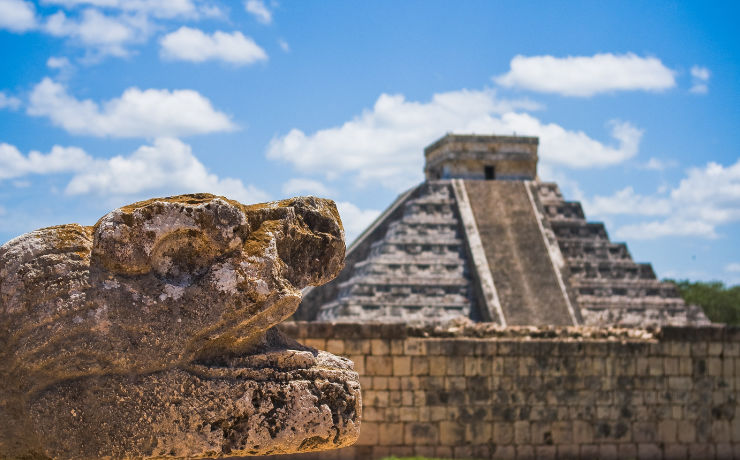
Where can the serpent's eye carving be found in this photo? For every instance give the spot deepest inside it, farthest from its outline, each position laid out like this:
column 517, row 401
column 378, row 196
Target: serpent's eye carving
column 173, row 297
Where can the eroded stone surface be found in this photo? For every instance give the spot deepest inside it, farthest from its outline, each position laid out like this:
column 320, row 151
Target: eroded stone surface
column 149, row 334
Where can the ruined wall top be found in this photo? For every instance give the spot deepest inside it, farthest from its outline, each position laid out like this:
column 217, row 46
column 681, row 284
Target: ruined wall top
column 478, row 157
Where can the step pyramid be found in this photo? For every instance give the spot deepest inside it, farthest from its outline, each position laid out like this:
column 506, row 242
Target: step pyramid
column 482, row 238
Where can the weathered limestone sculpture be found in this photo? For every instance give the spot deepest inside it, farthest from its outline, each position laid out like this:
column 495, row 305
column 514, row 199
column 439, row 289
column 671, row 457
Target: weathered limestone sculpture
column 150, row 334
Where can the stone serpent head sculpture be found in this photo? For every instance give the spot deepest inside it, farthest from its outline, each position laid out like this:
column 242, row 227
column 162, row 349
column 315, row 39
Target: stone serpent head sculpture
column 150, row 334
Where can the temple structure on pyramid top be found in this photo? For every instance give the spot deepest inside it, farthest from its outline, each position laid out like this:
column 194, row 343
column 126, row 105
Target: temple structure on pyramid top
column 483, row 238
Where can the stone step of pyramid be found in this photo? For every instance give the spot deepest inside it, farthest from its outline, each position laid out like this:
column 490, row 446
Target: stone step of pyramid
column 345, row 312
column 402, row 279
column 624, row 288
column 578, row 249
column 564, row 210
column 416, row 269
column 519, row 261
column 579, row 229
column 610, row 269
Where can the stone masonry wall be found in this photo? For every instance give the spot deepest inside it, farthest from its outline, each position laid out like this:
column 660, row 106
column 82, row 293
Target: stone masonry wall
column 483, row 392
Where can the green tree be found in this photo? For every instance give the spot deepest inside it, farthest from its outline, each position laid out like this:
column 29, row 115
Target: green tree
column 721, row 304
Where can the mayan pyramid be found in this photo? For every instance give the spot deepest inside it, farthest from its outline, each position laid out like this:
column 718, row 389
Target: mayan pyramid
column 482, row 237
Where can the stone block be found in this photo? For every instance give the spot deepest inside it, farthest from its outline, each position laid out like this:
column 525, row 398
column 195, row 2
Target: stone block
column 590, row 451
column 667, row 431
column 686, row 432
column 395, row 398
column 728, row 368
column 723, row 450
column 420, row 365
column 522, row 432
column 451, row 433
column 319, row 344
column 675, row 452
column 394, row 383
column 504, row 453
column 438, row 365
column 401, row 366
column 391, row 434
column 649, row 451
column 503, row 433
column 414, row 347
column 568, row 451
column 376, row 398
column 455, row 366
column 721, row 431
column 546, row 452
column 562, row 432
column 372, row 414
column 583, row 432
column 477, row 433
column 624, row 451
column 464, row 451
column 357, row 347
column 525, row 453
column 735, row 429
column 379, row 365
column 380, row 383
column 380, row 347
column 368, row 433
column 420, row 398
column 608, row 452
column 541, row 433
column 397, row 347
column 421, row 434
column 497, row 366
column 670, row 366
column 714, row 367
column 456, row 383
column 680, row 349
column 407, row 398
column 644, row 432
column 437, row 413
column 699, row 349
column 701, row 451
column 714, row 348
column 335, row 346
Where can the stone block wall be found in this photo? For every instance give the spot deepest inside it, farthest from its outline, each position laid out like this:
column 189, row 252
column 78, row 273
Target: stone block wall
column 483, row 392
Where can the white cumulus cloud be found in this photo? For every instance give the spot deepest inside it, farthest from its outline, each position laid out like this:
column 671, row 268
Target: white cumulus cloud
column 626, row 201
column 188, row 44
column 584, row 76
column 60, row 159
column 105, row 35
column 58, row 62
column 656, row 164
column 705, row 199
column 384, row 144
column 137, row 113
column 17, row 15
column 258, row 9
column 168, row 166
column 700, row 78
column 9, row 102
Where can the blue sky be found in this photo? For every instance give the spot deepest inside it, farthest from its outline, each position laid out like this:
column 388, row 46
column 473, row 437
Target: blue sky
column 106, row 102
